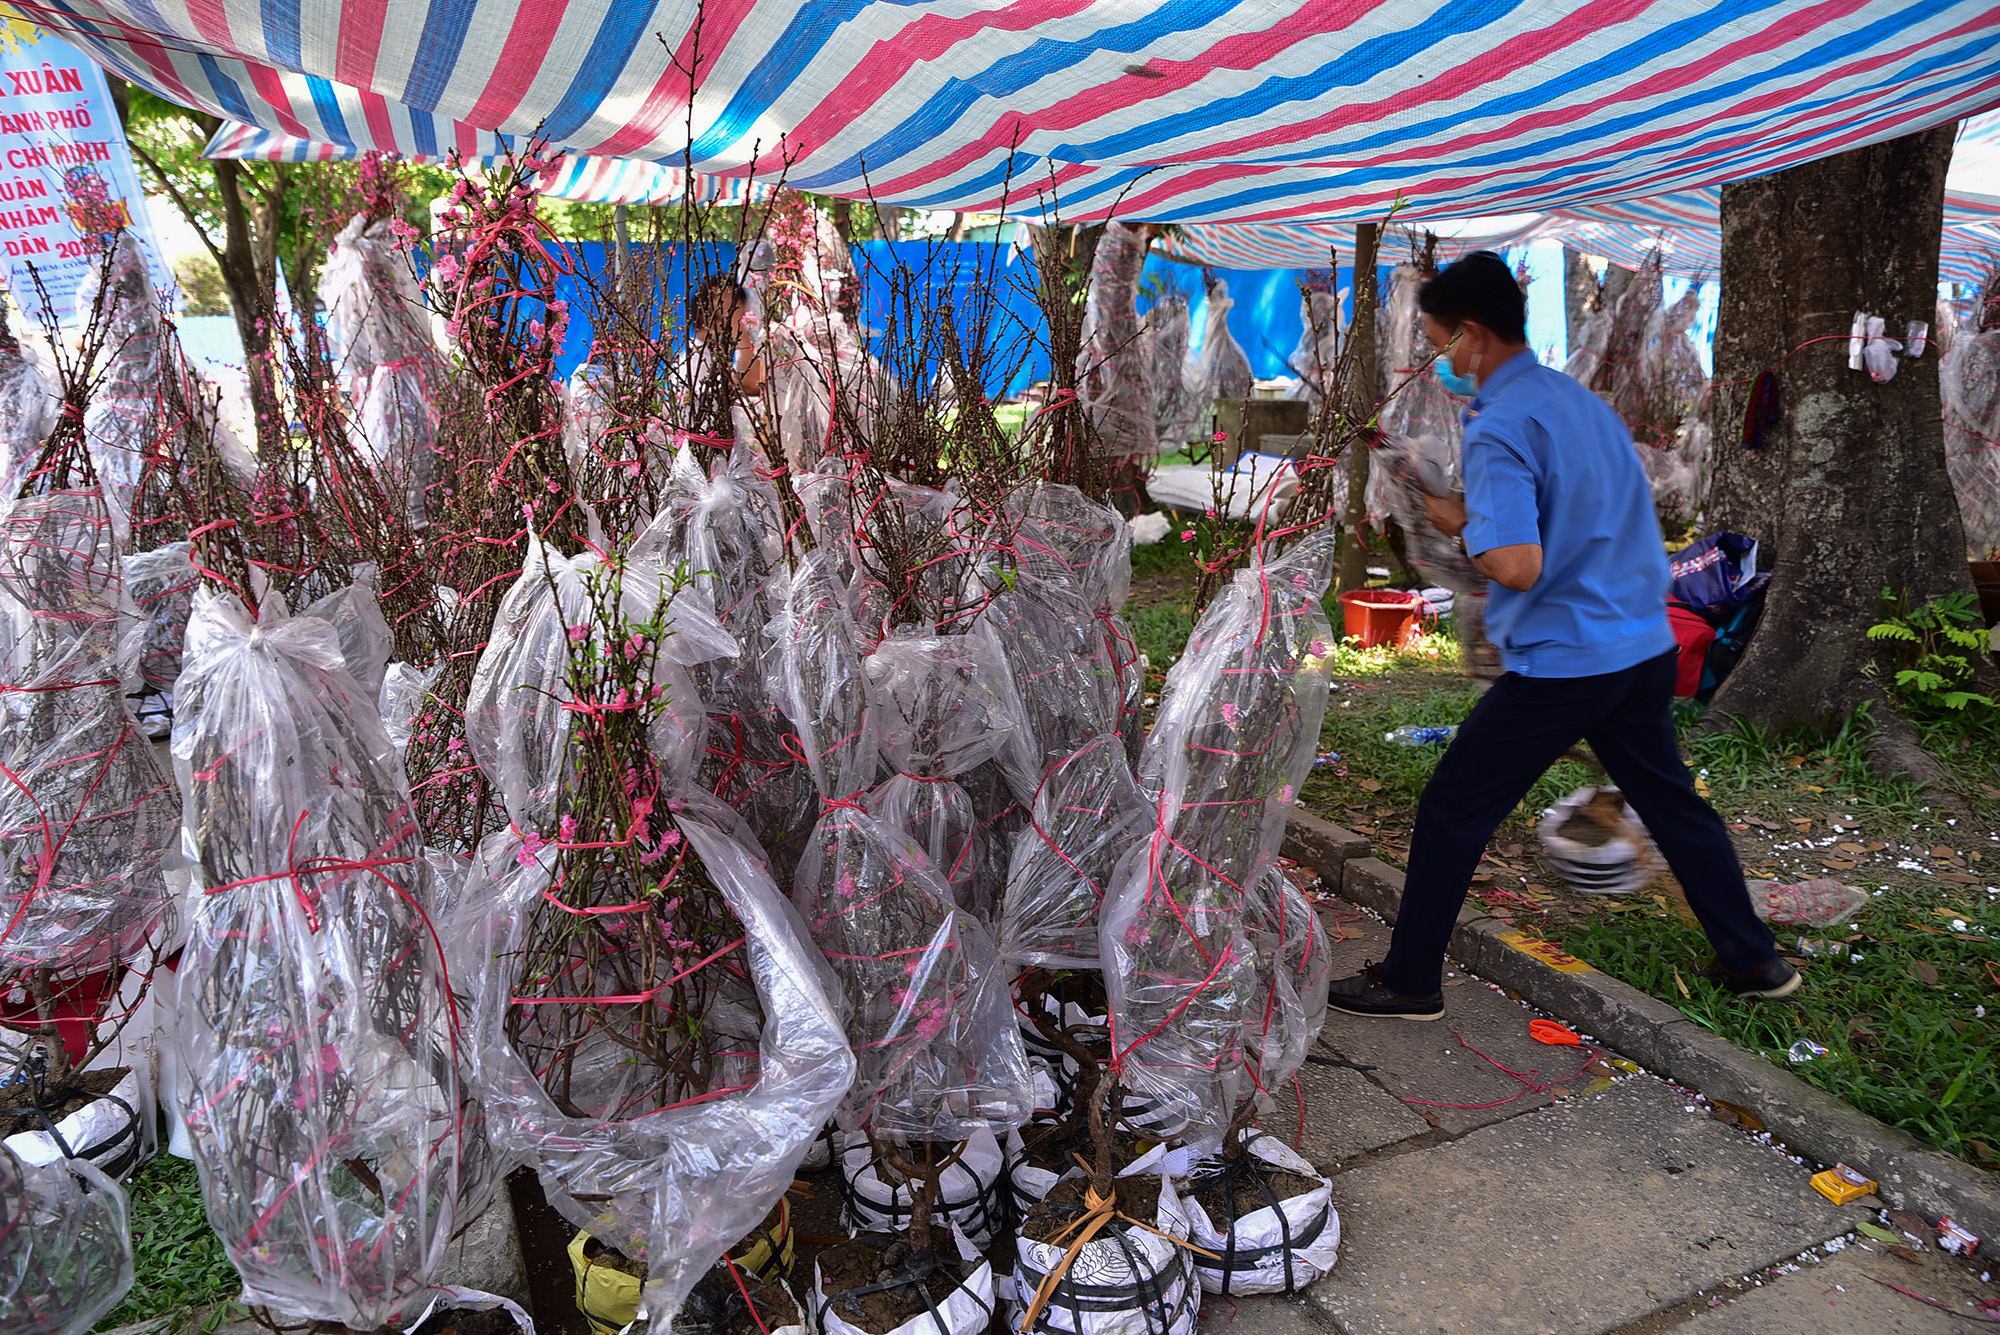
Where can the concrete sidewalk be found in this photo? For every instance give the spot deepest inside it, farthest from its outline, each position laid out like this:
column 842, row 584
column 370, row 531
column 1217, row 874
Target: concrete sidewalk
column 1487, row 1182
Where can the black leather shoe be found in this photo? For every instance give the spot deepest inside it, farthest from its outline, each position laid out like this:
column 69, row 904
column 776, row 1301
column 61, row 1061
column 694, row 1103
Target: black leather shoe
column 1365, row 994
column 1766, row 982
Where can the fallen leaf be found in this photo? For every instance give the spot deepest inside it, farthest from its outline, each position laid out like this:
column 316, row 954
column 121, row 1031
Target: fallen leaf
column 1722, row 1114
column 1561, row 1092
column 1942, row 852
column 1925, row 970
column 1371, row 785
column 1681, row 985
column 1838, row 864
column 1876, row 1231
column 1913, row 1226
column 1803, row 822
column 1905, row 1254
column 1991, row 791
column 1852, row 848
column 1745, row 1118
column 1877, row 846
column 1511, row 851
column 1957, row 878
column 1603, row 1067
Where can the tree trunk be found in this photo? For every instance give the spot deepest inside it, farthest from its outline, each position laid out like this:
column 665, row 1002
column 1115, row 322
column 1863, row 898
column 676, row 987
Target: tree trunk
column 843, row 220
column 1363, row 398
column 250, row 276
column 1579, row 286
column 1848, row 493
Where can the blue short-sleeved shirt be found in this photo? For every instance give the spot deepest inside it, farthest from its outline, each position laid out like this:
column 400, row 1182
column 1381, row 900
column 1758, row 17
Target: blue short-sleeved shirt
column 1547, row 461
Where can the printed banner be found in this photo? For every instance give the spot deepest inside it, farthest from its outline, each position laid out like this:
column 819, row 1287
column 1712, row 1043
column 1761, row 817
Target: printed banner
column 66, row 176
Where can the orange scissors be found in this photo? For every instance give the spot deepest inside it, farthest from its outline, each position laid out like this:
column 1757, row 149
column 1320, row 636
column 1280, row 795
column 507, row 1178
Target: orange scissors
column 1548, row 1031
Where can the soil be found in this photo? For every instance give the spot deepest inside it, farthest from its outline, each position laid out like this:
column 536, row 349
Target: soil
column 1138, row 1198
column 83, row 1089
column 874, row 1258
column 715, row 1307
column 495, row 1322
column 1249, row 1196
column 598, row 1254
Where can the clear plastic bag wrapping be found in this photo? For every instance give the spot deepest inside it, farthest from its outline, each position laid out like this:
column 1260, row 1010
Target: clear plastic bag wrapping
column 937, row 1052
column 1970, row 380
column 27, row 413
column 1294, row 965
column 405, row 688
column 1088, row 814
column 124, row 415
column 517, row 716
column 1114, row 365
column 86, row 812
column 374, row 315
column 159, row 586
column 1068, row 682
column 938, row 707
column 319, row 1049
column 1222, row 368
column 678, row 1186
column 1316, row 358
column 355, row 613
column 65, row 1246
column 397, row 419
column 1062, row 534
column 1177, row 403
column 819, row 682
column 1235, row 734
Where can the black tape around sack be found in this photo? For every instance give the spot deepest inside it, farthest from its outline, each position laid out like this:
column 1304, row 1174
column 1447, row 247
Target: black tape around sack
column 115, row 1154
column 981, row 1214
column 1168, row 1298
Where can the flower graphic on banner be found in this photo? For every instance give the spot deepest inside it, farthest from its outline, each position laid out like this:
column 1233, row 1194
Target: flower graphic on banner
column 92, row 210
column 17, row 30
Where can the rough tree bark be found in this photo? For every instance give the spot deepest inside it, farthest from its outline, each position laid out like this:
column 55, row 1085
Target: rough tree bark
column 1364, row 398
column 1848, row 493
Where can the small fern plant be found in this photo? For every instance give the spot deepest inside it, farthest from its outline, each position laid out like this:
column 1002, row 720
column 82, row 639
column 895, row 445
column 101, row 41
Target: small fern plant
column 1939, row 643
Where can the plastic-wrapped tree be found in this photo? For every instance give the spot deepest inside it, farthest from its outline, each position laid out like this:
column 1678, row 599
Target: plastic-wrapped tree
column 1114, row 367
column 1233, row 740
column 1222, row 368
column 123, row 422
column 87, row 812
column 1177, row 405
column 65, row 1248
column 1970, row 380
column 937, row 1053
column 381, row 343
column 1315, row 359
column 649, row 1027
column 27, row 408
column 320, row 1053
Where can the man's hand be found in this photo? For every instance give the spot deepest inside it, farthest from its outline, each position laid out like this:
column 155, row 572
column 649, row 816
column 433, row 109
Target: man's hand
column 1446, row 513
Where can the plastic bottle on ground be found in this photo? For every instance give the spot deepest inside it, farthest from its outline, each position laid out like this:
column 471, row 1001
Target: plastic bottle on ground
column 1410, row 734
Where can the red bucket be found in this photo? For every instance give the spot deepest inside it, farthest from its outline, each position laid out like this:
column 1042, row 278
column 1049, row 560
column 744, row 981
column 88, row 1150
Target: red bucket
column 1382, row 616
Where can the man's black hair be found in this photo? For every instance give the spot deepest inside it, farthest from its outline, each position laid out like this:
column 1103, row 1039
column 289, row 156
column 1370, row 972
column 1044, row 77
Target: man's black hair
column 1479, row 287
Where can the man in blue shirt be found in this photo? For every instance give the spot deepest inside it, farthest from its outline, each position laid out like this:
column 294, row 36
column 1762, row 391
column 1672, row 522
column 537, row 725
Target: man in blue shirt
column 1558, row 514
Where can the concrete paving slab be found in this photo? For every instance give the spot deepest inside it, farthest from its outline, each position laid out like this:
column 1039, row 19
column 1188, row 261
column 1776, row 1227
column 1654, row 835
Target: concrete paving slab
column 1424, row 1060
column 1574, row 1221
column 1345, row 1114
column 1271, row 1315
column 1840, row 1296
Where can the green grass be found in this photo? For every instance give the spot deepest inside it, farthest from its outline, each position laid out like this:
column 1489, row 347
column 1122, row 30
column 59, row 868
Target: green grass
column 1914, row 1052
column 179, row 1266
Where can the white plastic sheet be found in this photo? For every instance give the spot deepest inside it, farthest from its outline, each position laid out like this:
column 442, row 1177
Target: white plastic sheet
column 1271, row 1249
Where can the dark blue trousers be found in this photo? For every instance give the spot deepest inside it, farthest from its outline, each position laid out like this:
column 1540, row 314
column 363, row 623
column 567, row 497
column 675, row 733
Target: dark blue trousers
column 1518, row 729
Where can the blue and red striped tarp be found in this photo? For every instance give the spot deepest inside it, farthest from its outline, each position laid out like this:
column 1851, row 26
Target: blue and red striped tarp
column 590, row 180
column 1173, row 110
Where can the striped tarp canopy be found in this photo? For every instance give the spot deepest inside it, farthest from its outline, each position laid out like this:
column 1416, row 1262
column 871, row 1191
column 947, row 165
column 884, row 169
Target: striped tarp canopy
column 1684, row 228
column 1171, row 110
column 589, row 180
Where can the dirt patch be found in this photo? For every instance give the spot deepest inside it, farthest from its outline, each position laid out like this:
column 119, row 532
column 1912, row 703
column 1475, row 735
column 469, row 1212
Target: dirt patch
column 1248, row 1195
column 875, row 1258
column 715, row 1306
column 1138, row 1198
column 84, row 1088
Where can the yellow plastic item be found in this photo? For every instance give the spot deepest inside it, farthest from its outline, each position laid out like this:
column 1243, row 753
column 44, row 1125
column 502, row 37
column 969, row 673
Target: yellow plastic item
column 1841, row 1184
column 762, row 1258
column 607, row 1297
